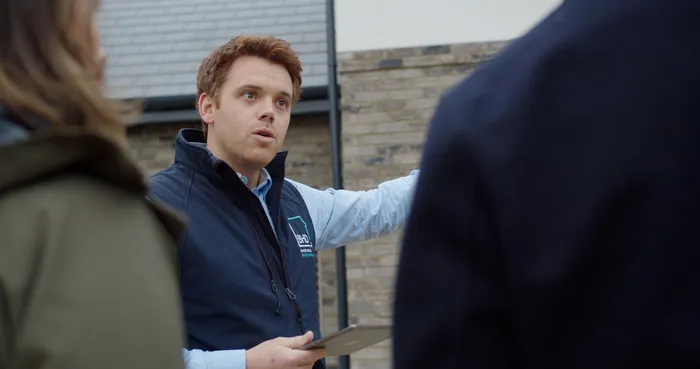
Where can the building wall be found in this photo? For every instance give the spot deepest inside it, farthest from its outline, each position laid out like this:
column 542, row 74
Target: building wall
column 388, row 97
column 433, row 22
column 307, row 141
column 153, row 146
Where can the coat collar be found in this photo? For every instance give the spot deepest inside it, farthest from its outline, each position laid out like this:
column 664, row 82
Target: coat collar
column 191, row 151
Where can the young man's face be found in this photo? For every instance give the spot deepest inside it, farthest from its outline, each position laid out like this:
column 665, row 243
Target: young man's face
column 249, row 125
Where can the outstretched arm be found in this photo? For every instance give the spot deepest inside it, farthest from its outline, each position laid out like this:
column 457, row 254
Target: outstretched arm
column 341, row 216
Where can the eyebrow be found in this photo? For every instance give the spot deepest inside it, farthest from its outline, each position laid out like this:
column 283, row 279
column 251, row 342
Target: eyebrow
column 258, row 88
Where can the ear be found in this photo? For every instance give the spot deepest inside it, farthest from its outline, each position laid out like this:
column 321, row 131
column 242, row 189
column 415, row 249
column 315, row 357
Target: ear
column 206, row 107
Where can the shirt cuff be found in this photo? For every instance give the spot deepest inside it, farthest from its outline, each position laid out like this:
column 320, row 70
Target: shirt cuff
column 222, row 359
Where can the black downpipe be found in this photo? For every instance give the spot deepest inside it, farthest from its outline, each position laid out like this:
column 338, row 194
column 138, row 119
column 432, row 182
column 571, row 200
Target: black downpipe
column 334, row 118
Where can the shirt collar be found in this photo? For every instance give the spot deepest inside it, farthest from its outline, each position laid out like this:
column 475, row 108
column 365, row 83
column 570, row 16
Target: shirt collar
column 264, row 183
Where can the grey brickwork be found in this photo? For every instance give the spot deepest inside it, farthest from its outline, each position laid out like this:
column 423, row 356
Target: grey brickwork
column 155, row 46
column 307, row 141
column 388, row 97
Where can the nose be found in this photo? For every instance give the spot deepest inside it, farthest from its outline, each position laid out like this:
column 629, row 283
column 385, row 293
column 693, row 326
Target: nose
column 267, row 113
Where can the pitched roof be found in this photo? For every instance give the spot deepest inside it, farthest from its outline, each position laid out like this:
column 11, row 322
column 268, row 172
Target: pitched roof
column 155, row 46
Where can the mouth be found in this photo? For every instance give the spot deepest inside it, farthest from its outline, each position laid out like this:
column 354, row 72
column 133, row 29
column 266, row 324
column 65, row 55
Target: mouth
column 264, row 132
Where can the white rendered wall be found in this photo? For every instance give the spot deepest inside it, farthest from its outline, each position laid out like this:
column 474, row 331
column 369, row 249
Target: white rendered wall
column 388, row 24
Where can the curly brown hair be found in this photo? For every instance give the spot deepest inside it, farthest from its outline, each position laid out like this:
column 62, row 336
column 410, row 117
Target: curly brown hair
column 214, row 69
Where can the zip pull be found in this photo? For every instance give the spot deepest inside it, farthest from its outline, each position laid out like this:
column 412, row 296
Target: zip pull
column 274, row 289
column 290, row 293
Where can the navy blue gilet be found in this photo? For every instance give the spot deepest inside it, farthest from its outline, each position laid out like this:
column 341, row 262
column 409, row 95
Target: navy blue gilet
column 240, row 284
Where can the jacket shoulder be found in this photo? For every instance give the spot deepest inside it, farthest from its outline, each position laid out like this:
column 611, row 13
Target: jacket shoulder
column 290, row 192
column 73, row 191
column 170, row 185
column 82, row 202
column 88, row 243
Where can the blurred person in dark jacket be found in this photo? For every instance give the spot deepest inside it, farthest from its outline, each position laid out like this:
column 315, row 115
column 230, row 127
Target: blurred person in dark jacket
column 87, row 265
column 556, row 221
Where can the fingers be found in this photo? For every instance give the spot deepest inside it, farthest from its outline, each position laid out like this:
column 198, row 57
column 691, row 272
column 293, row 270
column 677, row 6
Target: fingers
column 296, row 342
column 304, row 358
column 308, row 337
column 317, row 355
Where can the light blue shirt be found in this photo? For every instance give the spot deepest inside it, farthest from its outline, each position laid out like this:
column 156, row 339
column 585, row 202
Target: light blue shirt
column 340, row 217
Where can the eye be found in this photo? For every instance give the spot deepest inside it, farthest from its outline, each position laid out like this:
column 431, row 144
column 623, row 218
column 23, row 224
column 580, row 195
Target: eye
column 282, row 103
column 248, row 95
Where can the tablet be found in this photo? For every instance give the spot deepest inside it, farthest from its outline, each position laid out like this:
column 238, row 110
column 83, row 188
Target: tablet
column 351, row 339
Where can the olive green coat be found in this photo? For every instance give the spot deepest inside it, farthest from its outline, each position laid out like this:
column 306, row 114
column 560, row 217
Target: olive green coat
column 88, row 275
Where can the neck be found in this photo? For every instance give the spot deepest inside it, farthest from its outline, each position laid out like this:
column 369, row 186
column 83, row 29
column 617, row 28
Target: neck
column 253, row 177
column 252, row 174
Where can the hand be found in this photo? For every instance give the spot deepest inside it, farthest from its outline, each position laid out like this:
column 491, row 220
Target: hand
column 282, row 353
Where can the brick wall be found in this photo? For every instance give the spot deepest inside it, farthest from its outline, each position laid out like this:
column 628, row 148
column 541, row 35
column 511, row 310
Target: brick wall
column 388, row 96
column 307, row 141
column 153, row 146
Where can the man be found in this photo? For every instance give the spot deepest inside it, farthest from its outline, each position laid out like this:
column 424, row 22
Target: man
column 555, row 224
column 248, row 272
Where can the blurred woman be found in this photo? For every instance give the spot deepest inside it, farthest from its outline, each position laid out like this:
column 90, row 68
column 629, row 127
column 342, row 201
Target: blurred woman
column 87, row 264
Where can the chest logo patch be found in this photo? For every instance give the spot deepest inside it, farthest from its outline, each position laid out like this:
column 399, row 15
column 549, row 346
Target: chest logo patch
column 302, row 236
